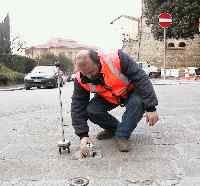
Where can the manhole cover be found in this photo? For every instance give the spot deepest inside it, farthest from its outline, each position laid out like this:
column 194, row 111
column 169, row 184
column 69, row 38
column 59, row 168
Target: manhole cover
column 79, row 181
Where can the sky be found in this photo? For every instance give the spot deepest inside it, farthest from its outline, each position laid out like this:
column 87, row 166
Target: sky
column 85, row 21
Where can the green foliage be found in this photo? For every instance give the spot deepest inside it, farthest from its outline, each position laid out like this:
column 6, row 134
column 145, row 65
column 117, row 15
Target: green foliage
column 8, row 76
column 5, row 36
column 18, row 63
column 185, row 15
column 5, row 58
column 21, row 64
column 50, row 59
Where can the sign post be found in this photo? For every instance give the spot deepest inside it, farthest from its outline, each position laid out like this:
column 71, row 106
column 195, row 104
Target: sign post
column 164, row 53
column 199, row 24
column 165, row 20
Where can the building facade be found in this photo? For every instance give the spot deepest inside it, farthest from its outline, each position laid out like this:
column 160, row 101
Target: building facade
column 179, row 53
column 56, row 46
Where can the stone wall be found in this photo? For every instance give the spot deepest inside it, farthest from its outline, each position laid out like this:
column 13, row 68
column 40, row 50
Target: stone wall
column 153, row 51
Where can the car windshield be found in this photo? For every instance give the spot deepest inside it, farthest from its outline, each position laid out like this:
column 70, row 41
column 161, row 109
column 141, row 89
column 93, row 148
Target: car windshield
column 44, row 69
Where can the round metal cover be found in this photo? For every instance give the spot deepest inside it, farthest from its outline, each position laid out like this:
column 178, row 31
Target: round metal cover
column 79, row 181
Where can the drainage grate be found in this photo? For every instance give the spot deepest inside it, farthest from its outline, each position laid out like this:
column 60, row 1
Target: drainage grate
column 141, row 139
column 79, row 181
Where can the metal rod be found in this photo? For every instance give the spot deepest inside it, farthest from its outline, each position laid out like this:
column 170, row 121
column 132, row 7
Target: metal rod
column 60, row 102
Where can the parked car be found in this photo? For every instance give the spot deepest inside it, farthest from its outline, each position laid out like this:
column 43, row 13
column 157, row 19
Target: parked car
column 151, row 70
column 197, row 71
column 42, row 76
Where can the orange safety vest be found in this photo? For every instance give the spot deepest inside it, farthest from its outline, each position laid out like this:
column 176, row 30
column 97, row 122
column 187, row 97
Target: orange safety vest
column 116, row 85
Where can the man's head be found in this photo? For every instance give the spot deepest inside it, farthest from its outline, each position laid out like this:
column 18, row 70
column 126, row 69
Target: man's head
column 85, row 64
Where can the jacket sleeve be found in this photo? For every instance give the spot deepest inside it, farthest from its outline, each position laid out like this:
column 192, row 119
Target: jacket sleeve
column 80, row 100
column 140, row 79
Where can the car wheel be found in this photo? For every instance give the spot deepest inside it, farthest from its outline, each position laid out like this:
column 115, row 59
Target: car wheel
column 27, row 88
column 151, row 75
column 47, row 87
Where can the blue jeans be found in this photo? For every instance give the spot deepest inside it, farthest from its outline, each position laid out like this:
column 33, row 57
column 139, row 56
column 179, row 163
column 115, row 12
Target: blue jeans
column 98, row 109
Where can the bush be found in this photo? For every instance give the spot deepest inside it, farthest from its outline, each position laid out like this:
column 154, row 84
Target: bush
column 50, row 59
column 18, row 63
column 19, row 78
column 8, row 76
column 22, row 64
column 3, row 79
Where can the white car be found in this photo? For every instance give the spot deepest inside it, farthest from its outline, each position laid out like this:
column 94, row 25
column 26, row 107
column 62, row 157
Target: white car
column 42, row 76
column 151, row 70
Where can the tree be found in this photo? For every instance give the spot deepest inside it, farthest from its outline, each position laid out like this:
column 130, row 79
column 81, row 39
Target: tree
column 185, row 17
column 5, row 36
column 17, row 45
column 51, row 59
column 8, row 49
column 5, row 40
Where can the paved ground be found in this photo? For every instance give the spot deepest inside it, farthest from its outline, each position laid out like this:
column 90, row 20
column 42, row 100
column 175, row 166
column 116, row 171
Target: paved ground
column 165, row 155
column 12, row 87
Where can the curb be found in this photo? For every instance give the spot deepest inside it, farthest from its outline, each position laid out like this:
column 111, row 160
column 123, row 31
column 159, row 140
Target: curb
column 166, row 83
column 176, row 83
column 11, row 89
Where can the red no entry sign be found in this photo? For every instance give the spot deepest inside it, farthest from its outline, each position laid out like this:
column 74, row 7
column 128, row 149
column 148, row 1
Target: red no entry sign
column 165, row 20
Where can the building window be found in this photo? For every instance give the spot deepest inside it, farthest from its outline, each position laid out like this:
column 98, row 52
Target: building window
column 171, row 45
column 182, row 44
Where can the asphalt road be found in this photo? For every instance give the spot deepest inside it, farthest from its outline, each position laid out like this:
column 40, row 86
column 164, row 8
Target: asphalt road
column 165, row 155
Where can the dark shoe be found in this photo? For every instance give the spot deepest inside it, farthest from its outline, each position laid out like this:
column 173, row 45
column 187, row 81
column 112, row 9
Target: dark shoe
column 122, row 144
column 105, row 134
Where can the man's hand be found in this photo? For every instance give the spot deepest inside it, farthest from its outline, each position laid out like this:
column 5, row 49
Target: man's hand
column 84, row 149
column 152, row 118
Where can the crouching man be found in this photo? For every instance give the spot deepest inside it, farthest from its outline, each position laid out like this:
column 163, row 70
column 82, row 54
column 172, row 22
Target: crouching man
column 116, row 81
